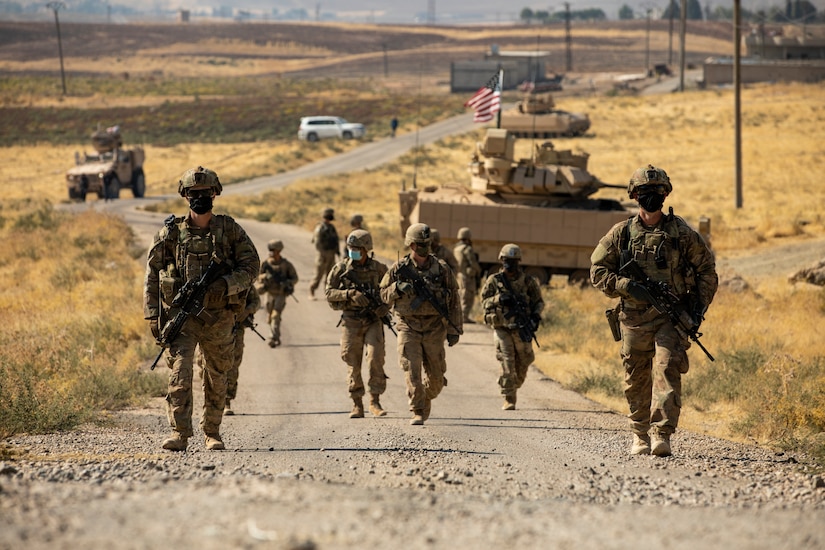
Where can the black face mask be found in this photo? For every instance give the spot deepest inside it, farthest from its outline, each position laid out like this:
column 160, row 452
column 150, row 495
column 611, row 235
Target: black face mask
column 200, row 205
column 422, row 250
column 651, row 202
column 510, row 266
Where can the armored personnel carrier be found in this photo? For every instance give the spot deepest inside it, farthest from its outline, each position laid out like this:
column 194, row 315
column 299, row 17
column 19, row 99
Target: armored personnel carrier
column 107, row 171
column 544, row 204
column 536, row 116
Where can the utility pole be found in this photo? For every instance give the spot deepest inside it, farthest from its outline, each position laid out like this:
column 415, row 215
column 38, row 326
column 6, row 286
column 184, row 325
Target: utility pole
column 56, row 6
column 670, row 36
column 647, row 45
column 737, row 102
column 568, row 39
column 682, row 33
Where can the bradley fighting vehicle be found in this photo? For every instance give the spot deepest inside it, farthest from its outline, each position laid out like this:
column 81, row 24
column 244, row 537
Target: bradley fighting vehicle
column 108, row 171
column 536, row 116
column 543, row 204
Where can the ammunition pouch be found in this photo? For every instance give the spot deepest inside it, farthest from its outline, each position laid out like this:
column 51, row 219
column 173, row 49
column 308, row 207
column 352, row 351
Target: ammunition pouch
column 169, row 286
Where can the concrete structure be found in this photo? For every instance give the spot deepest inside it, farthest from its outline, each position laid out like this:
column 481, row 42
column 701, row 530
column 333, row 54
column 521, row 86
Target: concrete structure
column 718, row 71
column 791, row 42
column 466, row 76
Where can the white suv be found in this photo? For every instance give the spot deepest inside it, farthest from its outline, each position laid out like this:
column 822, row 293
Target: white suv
column 314, row 128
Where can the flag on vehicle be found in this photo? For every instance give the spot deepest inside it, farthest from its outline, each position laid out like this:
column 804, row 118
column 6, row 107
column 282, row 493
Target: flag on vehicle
column 487, row 100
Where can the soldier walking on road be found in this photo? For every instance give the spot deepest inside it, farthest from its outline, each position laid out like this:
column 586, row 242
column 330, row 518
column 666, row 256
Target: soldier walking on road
column 442, row 252
column 512, row 306
column 181, row 252
column 654, row 350
column 468, row 272
column 352, row 287
column 423, row 292
column 277, row 279
column 244, row 319
column 325, row 238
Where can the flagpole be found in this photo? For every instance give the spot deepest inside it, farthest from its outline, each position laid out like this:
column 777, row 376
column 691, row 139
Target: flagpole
column 501, row 89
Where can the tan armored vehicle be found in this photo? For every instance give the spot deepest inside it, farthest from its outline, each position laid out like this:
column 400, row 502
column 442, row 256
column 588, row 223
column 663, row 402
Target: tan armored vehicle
column 536, row 116
column 543, row 204
column 108, row 171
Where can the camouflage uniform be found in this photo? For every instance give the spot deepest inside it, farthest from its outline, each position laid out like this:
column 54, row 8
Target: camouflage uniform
column 253, row 304
column 180, row 253
column 325, row 238
column 513, row 353
column 442, row 252
column 362, row 329
column 654, row 353
column 422, row 331
column 467, row 273
column 277, row 279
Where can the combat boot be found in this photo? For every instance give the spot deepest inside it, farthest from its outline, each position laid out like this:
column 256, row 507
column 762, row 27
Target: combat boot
column 357, row 408
column 418, row 417
column 227, row 409
column 214, row 442
column 375, row 406
column 509, row 403
column 641, row 444
column 175, row 442
column 660, row 444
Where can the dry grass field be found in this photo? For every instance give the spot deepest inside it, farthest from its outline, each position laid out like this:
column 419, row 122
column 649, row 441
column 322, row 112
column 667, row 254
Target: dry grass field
column 766, row 383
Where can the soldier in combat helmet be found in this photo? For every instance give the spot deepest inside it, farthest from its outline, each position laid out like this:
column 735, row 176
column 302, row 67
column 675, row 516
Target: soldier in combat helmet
column 422, row 329
column 180, row 253
column 442, row 252
column 502, row 299
column 654, row 352
column 468, row 272
column 348, row 285
column 277, row 279
column 325, row 238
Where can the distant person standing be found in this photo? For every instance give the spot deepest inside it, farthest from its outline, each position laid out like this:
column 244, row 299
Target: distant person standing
column 277, row 279
column 512, row 307
column 468, row 272
column 327, row 245
column 423, row 292
column 669, row 253
column 357, row 222
column 352, row 288
column 442, row 252
column 181, row 253
column 393, row 126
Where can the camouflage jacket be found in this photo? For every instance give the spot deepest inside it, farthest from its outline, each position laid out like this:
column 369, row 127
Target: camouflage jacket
column 467, row 260
column 342, row 279
column 422, row 316
column 325, row 238
column 443, row 253
column 671, row 252
column 277, row 277
column 181, row 252
column 526, row 290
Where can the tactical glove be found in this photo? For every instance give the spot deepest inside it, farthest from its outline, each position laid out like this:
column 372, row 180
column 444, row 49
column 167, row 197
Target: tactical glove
column 507, row 300
column 403, row 287
column 637, row 291
column 535, row 321
column 357, row 298
column 154, row 327
column 382, row 310
column 452, row 339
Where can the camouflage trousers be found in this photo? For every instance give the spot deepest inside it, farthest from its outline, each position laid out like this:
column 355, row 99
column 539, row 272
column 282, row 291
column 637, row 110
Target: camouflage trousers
column 275, row 304
column 423, row 360
column 357, row 338
column 324, row 261
column 515, row 356
column 655, row 358
column 237, row 357
column 217, row 343
column 467, row 291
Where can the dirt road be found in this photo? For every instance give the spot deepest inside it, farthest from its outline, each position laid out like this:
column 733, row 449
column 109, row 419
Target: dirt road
column 298, row 473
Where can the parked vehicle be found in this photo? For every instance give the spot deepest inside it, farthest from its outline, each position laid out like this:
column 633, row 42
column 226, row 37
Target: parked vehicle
column 110, row 170
column 313, row 128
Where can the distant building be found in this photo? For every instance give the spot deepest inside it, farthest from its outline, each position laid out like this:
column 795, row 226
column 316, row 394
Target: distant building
column 518, row 66
column 183, row 16
column 791, row 42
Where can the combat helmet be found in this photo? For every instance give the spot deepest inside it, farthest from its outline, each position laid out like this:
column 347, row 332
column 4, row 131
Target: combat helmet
column 275, row 245
column 510, row 252
column 418, row 233
column 356, row 219
column 328, row 214
column 199, row 177
column 435, row 236
column 360, row 239
column 649, row 175
column 464, row 233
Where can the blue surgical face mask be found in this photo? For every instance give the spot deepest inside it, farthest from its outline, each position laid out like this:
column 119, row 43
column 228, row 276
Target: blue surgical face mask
column 354, row 254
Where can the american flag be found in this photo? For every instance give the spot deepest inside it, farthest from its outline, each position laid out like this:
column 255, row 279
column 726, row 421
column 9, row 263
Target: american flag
column 487, row 100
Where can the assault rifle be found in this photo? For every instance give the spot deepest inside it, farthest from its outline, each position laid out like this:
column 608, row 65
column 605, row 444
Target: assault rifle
column 250, row 323
column 518, row 308
column 664, row 300
column 423, row 293
column 374, row 299
column 189, row 300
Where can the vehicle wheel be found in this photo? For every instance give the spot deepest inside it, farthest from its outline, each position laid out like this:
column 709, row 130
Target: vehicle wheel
column 541, row 274
column 347, row 135
column 312, row 137
column 74, row 194
column 138, row 184
column 111, row 188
